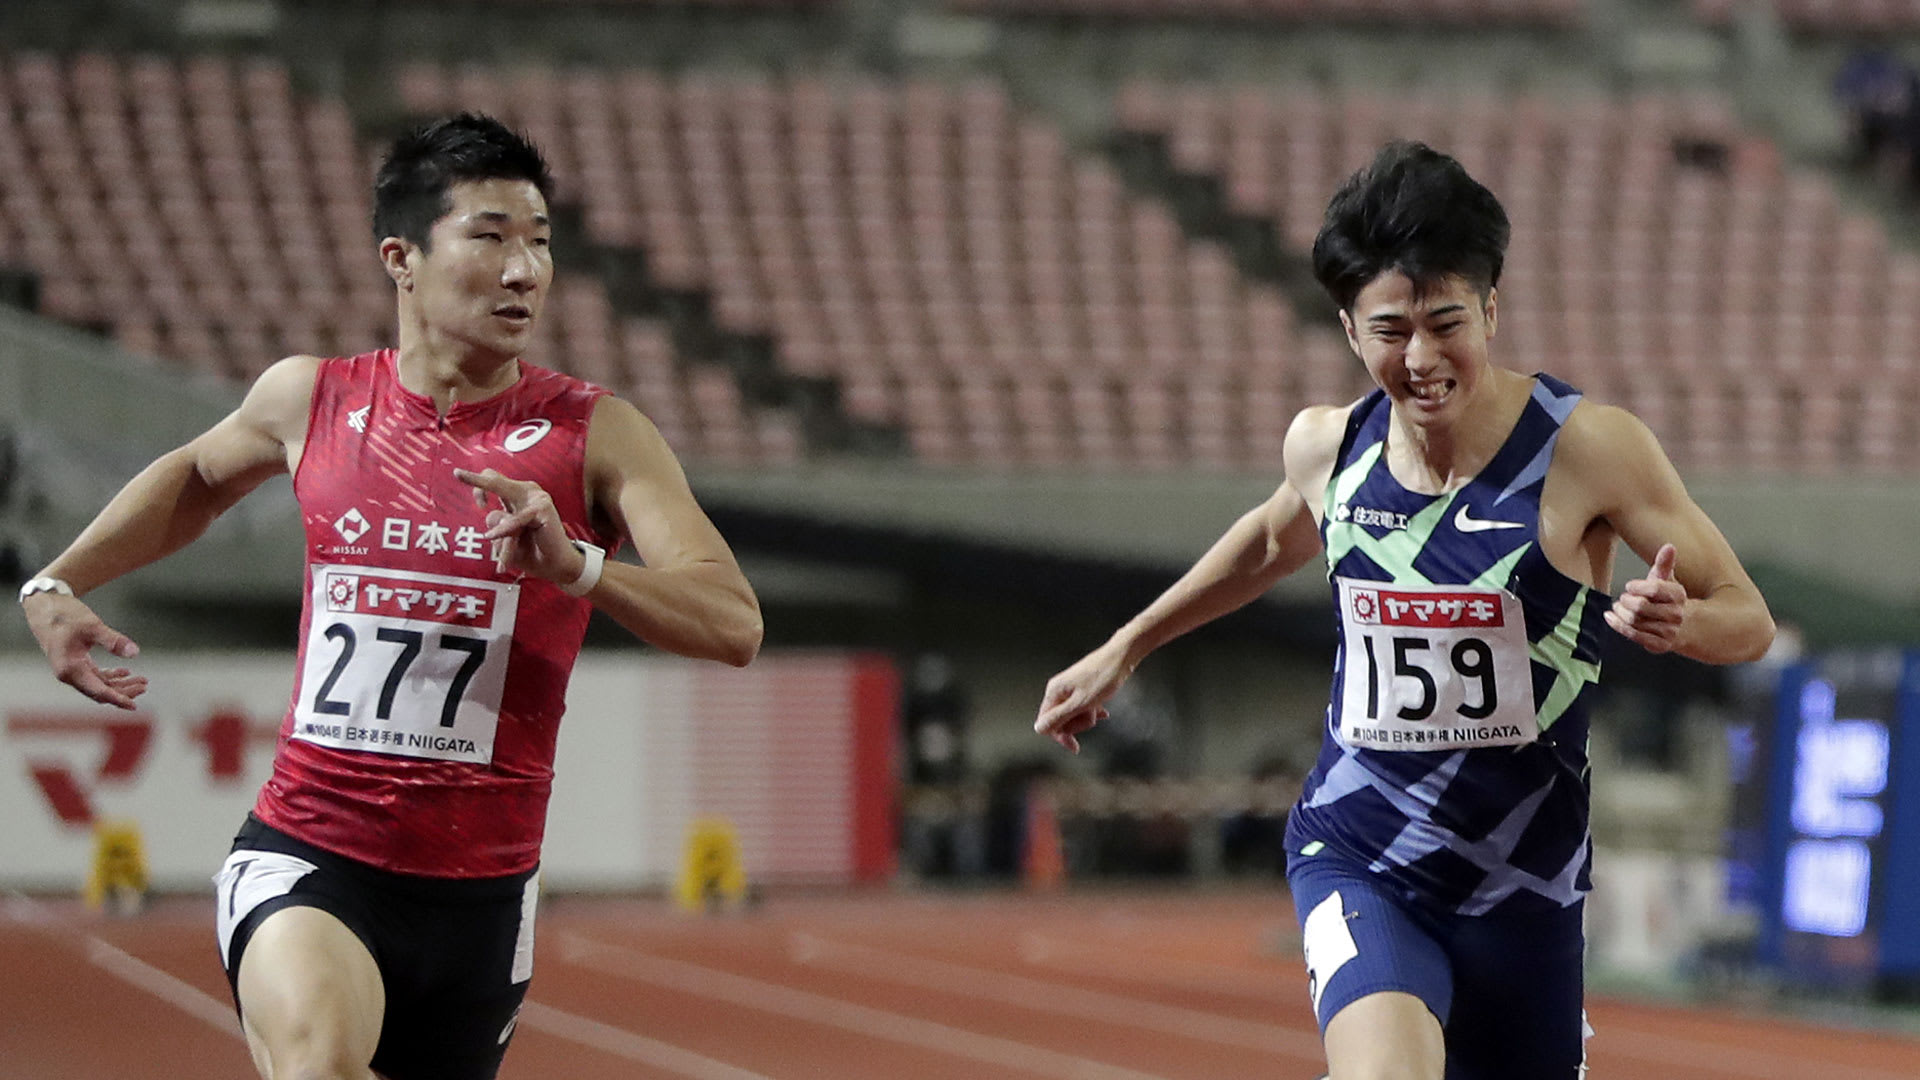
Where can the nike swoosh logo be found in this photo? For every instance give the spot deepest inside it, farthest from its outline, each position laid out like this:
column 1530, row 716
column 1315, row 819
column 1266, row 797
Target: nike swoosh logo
column 1468, row 524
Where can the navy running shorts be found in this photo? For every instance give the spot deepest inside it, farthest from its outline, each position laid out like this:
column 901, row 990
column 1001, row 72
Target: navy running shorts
column 1507, row 989
column 454, row 955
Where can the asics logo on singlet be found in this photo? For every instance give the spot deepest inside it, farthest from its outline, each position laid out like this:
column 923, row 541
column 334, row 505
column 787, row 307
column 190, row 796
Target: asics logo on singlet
column 357, row 419
column 1367, row 515
column 1467, row 523
column 352, row 525
column 526, row 435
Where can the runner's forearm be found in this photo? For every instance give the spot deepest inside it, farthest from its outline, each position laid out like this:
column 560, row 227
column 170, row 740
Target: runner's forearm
column 1240, row 566
column 705, row 611
column 1731, row 626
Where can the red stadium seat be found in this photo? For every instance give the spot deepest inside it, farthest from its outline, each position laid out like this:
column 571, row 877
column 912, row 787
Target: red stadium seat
column 964, row 272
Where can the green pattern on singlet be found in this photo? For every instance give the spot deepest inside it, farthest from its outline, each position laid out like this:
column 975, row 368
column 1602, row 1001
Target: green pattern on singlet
column 1396, row 551
column 1393, row 552
column 1349, row 479
column 1500, row 574
column 1571, row 674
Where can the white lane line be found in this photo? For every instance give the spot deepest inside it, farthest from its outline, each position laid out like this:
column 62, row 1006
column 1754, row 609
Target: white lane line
column 1613, row 1040
column 128, row 968
column 1728, row 1060
column 26, row 911
column 557, row 1022
column 623, row 1043
column 1036, row 995
column 814, row 1008
column 544, row 1018
column 1101, row 962
column 179, row 993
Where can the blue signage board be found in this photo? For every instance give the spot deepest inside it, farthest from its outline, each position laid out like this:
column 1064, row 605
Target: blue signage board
column 1837, row 880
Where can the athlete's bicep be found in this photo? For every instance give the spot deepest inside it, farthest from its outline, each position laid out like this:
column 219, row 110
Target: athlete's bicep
column 1642, row 496
column 1310, row 451
column 637, row 482
column 1292, row 535
column 1288, row 519
column 257, row 440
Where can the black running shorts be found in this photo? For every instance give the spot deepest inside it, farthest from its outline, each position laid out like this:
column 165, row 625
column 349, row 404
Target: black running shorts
column 454, row 954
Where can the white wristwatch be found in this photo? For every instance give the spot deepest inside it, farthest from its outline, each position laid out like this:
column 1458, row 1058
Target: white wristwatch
column 45, row 584
column 590, row 573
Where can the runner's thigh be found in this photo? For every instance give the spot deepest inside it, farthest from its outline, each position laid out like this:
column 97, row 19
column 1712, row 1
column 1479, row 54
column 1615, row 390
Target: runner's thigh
column 298, row 950
column 310, row 994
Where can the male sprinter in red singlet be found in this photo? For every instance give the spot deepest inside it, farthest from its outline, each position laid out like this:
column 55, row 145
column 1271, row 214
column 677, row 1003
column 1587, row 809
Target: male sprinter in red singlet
column 1439, row 854
column 376, row 915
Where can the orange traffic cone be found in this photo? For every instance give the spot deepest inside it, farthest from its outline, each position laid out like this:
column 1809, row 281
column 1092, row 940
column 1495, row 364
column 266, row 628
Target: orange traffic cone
column 1043, row 863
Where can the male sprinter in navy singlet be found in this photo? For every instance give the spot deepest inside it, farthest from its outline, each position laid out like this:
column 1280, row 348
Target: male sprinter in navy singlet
column 376, row 914
column 1439, row 854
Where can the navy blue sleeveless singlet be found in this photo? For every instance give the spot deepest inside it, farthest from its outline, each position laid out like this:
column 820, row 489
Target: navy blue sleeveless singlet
column 1455, row 754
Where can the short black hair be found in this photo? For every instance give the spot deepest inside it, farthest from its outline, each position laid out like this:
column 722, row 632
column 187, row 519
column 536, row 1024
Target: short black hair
column 412, row 189
column 1415, row 210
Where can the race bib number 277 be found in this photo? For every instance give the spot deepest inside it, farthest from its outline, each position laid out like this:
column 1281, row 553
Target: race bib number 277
column 1434, row 667
column 405, row 663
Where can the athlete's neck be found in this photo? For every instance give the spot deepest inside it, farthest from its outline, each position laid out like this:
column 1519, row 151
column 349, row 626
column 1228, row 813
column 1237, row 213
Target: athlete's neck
column 450, row 372
column 1438, row 458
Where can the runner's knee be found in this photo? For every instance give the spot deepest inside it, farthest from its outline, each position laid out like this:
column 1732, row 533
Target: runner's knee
column 303, row 1052
column 1384, row 1062
column 1388, row 1036
column 1383, row 1070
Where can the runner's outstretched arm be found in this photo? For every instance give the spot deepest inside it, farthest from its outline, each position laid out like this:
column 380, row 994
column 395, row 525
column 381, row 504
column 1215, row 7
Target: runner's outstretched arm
column 1268, row 542
column 169, row 504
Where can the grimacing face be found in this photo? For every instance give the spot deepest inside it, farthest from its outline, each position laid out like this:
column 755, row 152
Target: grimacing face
column 482, row 280
column 1429, row 353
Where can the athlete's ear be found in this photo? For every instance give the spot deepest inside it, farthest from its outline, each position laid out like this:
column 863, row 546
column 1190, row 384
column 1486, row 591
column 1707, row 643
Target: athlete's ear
column 1353, row 341
column 1491, row 307
column 396, row 257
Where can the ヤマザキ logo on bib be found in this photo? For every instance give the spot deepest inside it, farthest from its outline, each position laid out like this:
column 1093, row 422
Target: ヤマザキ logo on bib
column 1366, row 607
column 343, row 592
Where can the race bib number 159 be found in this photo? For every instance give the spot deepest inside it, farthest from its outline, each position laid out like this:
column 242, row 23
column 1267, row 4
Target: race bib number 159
column 1434, row 667
column 405, row 663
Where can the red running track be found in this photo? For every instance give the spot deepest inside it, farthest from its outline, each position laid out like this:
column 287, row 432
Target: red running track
column 1079, row 987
